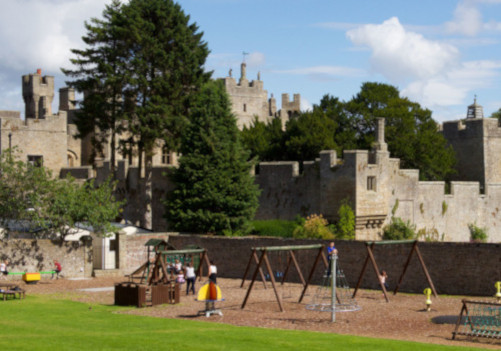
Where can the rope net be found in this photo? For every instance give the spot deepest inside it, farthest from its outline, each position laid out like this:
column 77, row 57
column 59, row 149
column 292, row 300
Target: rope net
column 481, row 320
column 322, row 299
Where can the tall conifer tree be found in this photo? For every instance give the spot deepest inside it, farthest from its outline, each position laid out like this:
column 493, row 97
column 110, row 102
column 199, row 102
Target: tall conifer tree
column 215, row 190
column 101, row 74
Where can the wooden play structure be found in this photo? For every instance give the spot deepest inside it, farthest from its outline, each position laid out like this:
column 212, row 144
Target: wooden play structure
column 291, row 260
column 479, row 319
column 154, row 282
column 370, row 257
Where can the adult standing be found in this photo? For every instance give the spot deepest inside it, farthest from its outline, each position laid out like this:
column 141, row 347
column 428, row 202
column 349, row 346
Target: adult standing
column 190, row 278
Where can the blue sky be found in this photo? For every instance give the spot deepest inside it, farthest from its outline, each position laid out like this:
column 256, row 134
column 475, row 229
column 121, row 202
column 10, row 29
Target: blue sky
column 438, row 53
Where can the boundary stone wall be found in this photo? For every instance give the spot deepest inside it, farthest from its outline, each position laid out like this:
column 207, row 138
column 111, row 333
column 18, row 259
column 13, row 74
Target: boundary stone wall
column 455, row 268
column 27, row 255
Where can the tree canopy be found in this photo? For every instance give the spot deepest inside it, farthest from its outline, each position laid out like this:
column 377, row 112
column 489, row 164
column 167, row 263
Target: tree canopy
column 411, row 133
column 32, row 201
column 215, row 191
column 143, row 63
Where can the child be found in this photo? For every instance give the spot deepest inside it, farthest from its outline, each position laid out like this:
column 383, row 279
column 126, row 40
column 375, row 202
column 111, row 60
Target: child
column 383, row 277
column 213, row 272
column 57, row 269
column 180, row 277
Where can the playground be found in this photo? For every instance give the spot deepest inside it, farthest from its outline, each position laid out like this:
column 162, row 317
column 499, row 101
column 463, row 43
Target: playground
column 403, row 318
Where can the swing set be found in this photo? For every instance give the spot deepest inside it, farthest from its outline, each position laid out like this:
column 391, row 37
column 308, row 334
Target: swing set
column 370, row 256
column 156, row 270
column 282, row 273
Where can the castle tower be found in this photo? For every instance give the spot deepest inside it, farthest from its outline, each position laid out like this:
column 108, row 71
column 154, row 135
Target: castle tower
column 66, row 99
column 380, row 144
column 475, row 110
column 38, row 93
column 290, row 108
column 243, row 72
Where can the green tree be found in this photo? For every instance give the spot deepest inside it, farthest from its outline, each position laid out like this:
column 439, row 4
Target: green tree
column 101, row 73
column 166, row 61
column 33, row 201
column 345, row 133
column 345, row 226
column 308, row 134
column 411, row 133
column 143, row 64
column 265, row 141
column 496, row 114
column 215, row 191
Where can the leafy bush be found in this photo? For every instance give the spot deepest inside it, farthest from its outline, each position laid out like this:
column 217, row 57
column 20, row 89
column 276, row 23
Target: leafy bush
column 399, row 230
column 429, row 235
column 477, row 234
column 314, row 227
column 274, row 227
column 345, row 227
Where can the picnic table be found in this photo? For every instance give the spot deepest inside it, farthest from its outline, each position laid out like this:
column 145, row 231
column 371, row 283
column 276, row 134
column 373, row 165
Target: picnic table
column 11, row 290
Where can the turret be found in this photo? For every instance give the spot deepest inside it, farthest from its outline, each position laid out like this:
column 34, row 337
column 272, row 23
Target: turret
column 475, row 110
column 38, row 93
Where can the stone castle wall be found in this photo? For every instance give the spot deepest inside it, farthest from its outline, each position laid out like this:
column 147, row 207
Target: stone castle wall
column 325, row 183
column 25, row 255
column 476, row 143
column 37, row 137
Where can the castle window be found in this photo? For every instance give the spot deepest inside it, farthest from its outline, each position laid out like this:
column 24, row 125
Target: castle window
column 35, row 160
column 371, row 183
column 166, row 156
column 245, row 107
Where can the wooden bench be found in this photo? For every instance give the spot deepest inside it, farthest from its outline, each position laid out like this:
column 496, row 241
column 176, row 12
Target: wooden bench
column 12, row 293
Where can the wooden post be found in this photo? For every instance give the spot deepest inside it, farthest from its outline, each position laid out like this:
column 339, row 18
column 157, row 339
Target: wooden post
column 253, row 256
column 426, row 271
column 376, row 269
column 405, row 268
column 312, row 271
column 293, row 257
column 272, row 279
column 364, row 267
column 253, row 279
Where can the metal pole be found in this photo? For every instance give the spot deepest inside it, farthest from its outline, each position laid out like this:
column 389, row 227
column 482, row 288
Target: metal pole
column 333, row 282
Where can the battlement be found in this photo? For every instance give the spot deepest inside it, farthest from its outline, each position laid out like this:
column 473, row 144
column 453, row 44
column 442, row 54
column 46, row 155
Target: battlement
column 10, row 114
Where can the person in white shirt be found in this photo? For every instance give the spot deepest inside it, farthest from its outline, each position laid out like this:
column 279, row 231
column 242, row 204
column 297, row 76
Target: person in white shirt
column 3, row 269
column 190, row 278
column 213, row 272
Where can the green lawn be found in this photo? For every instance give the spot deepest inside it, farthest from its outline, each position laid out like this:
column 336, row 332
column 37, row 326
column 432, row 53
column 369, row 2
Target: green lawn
column 46, row 323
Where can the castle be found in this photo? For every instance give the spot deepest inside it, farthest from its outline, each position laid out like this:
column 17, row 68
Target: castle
column 249, row 100
column 370, row 180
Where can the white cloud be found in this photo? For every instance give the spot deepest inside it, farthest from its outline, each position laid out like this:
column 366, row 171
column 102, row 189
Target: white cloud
column 305, row 105
column 401, row 55
column 429, row 71
column 255, row 59
column 454, row 86
column 467, row 19
column 49, row 30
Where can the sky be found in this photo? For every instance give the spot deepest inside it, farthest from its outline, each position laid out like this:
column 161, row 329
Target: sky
column 437, row 53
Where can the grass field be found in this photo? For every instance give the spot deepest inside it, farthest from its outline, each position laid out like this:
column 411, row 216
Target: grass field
column 45, row 322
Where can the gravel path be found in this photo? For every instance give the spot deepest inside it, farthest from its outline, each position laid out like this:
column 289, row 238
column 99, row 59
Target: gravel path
column 403, row 318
